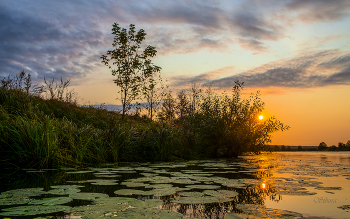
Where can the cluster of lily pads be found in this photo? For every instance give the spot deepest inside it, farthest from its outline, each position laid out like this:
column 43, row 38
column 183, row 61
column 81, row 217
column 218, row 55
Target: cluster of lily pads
column 148, row 187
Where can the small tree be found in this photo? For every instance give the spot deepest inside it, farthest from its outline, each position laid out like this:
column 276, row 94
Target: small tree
column 153, row 94
column 133, row 67
column 322, row 146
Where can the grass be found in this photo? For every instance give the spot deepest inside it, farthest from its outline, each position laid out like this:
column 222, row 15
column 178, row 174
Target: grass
column 46, row 133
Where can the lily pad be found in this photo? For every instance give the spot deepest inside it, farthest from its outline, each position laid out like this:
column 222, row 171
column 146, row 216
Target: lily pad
column 24, row 192
column 263, row 212
column 98, row 210
column 33, row 210
column 328, row 188
column 51, row 201
column 113, row 200
column 196, row 200
column 103, row 182
column 164, row 191
column 344, row 207
column 129, row 192
column 88, row 196
column 64, row 189
column 135, row 213
column 80, row 172
column 134, row 184
column 240, row 216
column 203, row 186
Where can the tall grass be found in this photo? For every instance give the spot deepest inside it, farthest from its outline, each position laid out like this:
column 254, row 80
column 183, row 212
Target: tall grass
column 195, row 124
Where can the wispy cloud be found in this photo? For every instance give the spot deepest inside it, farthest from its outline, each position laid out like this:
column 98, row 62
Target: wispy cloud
column 65, row 38
column 316, row 69
column 321, row 10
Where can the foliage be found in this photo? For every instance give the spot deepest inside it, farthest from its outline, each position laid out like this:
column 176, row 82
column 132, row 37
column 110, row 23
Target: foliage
column 220, row 125
column 153, row 94
column 198, row 123
column 322, row 146
column 133, row 67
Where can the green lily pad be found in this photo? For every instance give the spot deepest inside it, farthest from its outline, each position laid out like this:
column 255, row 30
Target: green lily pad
column 24, row 192
column 134, row 184
column 163, row 191
column 88, row 196
column 149, row 203
column 240, row 216
column 33, row 210
column 64, row 189
column 103, row 182
column 113, row 200
column 221, row 193
column 51, row 201
column 19, row 196
column 66, row 186
column 135, row 213
column 129, row 192
column 196, row 200
column 80, row 172
column 98, row 210
column 106, row 175
column 203, row 186
column 263, row 212
column 17, row 200
column 159, row 186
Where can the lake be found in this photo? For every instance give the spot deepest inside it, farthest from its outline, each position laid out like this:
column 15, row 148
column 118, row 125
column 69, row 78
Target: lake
column 271, row 185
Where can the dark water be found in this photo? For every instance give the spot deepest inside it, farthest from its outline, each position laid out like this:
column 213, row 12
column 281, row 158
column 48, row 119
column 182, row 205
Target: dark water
column 278, row 185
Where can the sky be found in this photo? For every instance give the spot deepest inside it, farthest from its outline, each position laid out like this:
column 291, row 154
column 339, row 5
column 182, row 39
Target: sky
column 295, row 52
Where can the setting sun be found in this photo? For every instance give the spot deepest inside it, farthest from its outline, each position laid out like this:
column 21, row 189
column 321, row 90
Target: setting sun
column 261, row 117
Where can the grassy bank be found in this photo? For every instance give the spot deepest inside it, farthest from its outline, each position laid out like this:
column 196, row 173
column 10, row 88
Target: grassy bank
column 48, row 132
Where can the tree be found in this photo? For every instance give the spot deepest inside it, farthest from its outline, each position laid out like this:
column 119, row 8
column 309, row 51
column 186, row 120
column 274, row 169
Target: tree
column 133, row 67
column 322, row 146
column 152, row 94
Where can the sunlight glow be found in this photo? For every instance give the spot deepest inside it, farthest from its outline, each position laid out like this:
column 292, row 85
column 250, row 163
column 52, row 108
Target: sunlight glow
column 261, row 117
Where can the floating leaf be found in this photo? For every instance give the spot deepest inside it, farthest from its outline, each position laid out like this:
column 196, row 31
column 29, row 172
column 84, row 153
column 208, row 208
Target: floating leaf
column 203, row 186
column 98, row 210
column 135, row 213
column 88, row 196
column 64, row 189
column 240, row 216
column 33, row 210
column 134, row 184
column 80, row 172
column 196, row 200
column 113, row 200
column 263, row 212
column 103, row 182
column 51, row 201
column 129, row 192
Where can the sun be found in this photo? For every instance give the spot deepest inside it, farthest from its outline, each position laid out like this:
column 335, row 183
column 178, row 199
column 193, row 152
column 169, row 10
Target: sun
column 261, row 117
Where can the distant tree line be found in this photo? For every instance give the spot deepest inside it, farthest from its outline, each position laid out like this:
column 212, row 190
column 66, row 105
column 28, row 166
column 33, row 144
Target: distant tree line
column 321, row 147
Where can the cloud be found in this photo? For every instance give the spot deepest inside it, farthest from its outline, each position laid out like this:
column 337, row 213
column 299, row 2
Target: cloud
column 321, row 10
column 322, row 68
column 65, row 38
column 42, row 48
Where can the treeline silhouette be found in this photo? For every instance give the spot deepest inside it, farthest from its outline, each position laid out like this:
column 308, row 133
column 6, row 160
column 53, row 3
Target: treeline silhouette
column 43, row 126
column 322, row 147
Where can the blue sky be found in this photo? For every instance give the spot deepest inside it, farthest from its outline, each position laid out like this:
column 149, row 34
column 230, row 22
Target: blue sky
column 287, row 49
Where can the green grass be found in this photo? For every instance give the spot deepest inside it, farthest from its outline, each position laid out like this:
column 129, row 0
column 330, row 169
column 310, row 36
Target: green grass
column 41, row 133
column 46, row 133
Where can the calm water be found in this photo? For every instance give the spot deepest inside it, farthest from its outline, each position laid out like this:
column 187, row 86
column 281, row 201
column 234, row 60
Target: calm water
column 277, row 185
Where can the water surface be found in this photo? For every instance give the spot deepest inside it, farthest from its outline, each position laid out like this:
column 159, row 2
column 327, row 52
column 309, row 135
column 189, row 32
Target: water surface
column 277, row 185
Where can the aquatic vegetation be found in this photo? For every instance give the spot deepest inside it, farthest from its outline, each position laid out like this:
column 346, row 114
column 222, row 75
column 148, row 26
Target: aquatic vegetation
column 263, row 212
column 33, row 210
column 183, row 191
